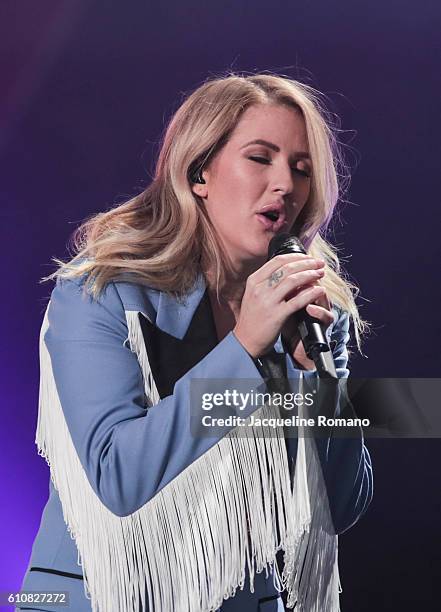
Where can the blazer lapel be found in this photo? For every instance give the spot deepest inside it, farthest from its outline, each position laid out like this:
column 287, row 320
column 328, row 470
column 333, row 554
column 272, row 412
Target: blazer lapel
column 183, row 334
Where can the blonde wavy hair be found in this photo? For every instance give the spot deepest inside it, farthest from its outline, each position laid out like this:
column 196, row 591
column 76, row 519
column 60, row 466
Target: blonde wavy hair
column 163, row 239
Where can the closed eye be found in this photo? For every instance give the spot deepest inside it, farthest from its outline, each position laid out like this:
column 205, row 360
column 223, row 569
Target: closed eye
column 264, row 160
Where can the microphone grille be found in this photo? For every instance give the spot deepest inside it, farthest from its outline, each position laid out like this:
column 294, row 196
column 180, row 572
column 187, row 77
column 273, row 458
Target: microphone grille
column 284, row 243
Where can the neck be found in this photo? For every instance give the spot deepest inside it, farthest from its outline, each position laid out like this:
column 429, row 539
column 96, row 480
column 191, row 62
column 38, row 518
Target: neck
column 233, row 288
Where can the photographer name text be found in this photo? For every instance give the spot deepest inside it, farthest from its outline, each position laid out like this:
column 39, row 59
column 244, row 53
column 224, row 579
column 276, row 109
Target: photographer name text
column 294, row 421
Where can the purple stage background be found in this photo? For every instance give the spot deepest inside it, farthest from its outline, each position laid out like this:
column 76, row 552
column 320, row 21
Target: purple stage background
column 85, row 90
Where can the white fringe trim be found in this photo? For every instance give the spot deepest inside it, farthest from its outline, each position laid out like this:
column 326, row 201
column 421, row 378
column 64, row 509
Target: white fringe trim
column 311, row 576
column 137, row 345
column 189, row 547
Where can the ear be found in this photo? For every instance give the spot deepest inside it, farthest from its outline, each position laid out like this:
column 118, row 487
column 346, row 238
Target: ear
column 201, row 189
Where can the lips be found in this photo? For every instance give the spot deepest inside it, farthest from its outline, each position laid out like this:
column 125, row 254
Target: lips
column 272, row 216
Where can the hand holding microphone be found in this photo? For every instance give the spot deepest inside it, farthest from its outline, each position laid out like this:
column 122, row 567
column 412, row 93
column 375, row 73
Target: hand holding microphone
column 283, row 286
column 265, row 309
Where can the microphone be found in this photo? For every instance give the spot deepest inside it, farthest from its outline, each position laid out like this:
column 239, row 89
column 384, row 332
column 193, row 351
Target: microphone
column 310, row 329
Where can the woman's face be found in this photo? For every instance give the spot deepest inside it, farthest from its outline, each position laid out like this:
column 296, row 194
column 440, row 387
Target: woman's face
column 262, row 171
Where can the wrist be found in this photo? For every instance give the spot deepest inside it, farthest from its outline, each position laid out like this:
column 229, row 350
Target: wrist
column 250, row 350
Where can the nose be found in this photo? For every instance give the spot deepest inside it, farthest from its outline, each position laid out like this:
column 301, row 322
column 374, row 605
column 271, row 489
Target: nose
column 282, row 178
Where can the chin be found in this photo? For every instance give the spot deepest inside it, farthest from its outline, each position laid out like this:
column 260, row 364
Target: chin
column 258, row 251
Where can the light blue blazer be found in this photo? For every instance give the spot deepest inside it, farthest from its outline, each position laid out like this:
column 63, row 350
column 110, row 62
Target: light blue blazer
column 129, row 454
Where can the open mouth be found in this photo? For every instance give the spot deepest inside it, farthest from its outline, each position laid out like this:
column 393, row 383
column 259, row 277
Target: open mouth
column 273, row 220
column 273, row 215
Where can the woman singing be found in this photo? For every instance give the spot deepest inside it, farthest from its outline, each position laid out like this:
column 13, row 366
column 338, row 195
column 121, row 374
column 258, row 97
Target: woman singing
column 173, row 286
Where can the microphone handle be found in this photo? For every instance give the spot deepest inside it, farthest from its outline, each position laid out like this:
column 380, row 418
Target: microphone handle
column 315, row 344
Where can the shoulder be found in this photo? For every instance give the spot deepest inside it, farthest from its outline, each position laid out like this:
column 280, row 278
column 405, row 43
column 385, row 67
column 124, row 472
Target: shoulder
column 338, row 337
column 339, row 330
column 75, row 311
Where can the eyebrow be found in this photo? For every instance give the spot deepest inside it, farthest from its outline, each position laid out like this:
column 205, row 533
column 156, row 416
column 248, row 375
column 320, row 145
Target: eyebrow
column 274, row 147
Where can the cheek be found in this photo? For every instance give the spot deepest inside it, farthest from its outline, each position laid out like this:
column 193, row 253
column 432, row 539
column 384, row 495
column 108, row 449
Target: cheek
column 301, row 204
column 232, row 195
column 302, row 196
column 235, row 182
